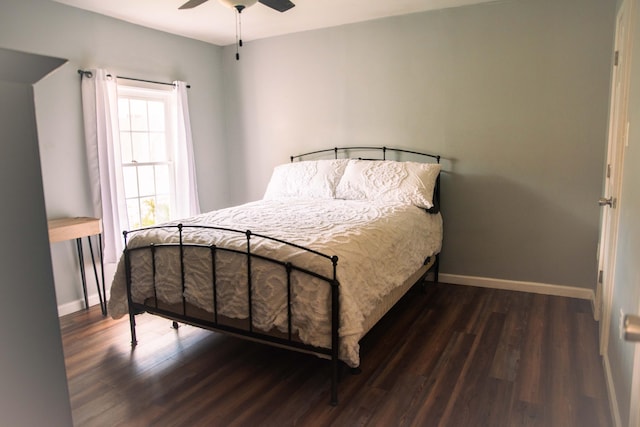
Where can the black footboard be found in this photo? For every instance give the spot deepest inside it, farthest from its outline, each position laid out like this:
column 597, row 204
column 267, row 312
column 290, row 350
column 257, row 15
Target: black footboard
column 175, row 239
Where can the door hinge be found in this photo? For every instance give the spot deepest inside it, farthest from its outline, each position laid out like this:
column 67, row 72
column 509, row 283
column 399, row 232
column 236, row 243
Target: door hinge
column 600, row 276
column 615, row 57
column 608, row 171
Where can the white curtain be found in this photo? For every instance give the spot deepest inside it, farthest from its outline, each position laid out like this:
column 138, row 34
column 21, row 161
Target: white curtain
column 100, row 111
column 187, row 202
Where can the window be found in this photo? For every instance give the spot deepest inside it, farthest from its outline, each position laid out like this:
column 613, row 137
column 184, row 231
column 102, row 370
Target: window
column 147, row 145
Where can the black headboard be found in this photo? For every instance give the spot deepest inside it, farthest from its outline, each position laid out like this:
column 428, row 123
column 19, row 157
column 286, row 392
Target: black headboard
column 351, row 153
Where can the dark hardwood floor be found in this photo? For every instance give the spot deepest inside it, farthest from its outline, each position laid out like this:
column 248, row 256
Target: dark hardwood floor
column 450, row 356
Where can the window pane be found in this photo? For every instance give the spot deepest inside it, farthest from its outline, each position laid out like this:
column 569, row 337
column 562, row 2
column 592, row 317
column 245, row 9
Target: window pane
column 162, row 179
column 146, row 180
column 130, row 181
column 147, row 211
column 138, row 115
column 125, row 147
column 163, row 210
column 133, row 213
column 123, row 113
column 156, row 116
column 158, row 147
column 140, row 143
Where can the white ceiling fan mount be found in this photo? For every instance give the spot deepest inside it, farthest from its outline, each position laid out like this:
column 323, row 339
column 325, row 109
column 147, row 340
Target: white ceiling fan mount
column 239, row 5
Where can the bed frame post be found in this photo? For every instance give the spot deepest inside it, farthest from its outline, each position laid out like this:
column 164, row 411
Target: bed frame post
column 249, row 281
column 127, row 263
column 132, row 325
column 335, row 336
column 184, row 299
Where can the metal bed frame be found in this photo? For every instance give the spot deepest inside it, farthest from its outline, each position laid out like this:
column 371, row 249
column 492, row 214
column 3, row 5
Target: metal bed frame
column 214, row 322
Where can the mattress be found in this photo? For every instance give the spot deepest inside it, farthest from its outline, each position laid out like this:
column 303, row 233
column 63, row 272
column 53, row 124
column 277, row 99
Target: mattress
column 379, row 246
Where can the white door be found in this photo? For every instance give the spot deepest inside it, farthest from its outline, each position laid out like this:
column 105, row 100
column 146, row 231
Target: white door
column 618, row 127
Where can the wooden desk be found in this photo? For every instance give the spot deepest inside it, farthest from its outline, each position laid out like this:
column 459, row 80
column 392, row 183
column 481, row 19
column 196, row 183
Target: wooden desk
column 76, row 228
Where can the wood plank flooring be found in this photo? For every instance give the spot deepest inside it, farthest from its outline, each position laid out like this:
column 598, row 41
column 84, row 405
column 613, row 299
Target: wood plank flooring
column 449, row 356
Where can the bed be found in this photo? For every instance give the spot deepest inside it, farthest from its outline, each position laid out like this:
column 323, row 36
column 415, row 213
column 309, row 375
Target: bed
column 312, row 267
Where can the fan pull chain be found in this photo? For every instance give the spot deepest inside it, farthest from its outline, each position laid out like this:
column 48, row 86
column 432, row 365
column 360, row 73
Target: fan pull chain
column 238, row 30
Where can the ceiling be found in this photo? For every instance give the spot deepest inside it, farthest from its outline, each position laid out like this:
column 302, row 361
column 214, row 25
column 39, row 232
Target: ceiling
column 214, row 23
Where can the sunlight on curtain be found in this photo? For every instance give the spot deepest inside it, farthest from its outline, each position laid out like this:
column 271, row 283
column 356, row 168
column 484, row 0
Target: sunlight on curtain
column 100, row 111
column 187, row 201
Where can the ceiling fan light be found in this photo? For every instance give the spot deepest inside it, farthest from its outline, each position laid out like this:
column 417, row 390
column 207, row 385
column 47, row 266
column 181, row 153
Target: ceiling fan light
column 235, row 3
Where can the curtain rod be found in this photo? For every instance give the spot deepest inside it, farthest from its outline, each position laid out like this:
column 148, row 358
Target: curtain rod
column 90, row 74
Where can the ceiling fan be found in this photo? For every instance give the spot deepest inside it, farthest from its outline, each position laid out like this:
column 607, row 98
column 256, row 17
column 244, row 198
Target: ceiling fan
column 239, row 6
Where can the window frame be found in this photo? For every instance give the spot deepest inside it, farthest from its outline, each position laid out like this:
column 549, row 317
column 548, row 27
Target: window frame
column 128, row 91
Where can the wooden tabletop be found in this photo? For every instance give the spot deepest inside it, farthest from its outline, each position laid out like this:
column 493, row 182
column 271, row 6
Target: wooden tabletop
column 73, row 228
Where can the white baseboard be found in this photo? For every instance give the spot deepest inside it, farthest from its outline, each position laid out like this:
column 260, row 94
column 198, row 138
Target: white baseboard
column 611, row 392
column 515, row 285
column 454, row 279
column 77, row 305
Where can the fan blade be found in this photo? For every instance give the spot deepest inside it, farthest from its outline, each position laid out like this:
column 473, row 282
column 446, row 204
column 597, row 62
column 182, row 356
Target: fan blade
column 279, row 5
column 191, row 4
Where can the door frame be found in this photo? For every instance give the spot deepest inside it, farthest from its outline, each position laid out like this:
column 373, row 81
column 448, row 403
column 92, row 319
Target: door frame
column 634, row 405
column 618, row 130
column 616, row 143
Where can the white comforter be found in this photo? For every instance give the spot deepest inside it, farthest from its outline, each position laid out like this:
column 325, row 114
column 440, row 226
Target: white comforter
column 379, row 245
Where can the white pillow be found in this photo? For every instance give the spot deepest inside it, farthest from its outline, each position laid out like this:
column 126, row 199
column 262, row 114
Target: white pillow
column 388, row 180
column 315, row 178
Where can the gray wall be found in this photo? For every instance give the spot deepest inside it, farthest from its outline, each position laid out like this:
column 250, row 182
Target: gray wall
column 627, row 272
column 91, row 40
column 513, row 94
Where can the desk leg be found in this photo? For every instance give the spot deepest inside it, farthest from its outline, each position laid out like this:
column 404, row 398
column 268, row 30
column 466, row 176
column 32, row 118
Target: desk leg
column 101, row 295
column 104, row 292
column 82, row 273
